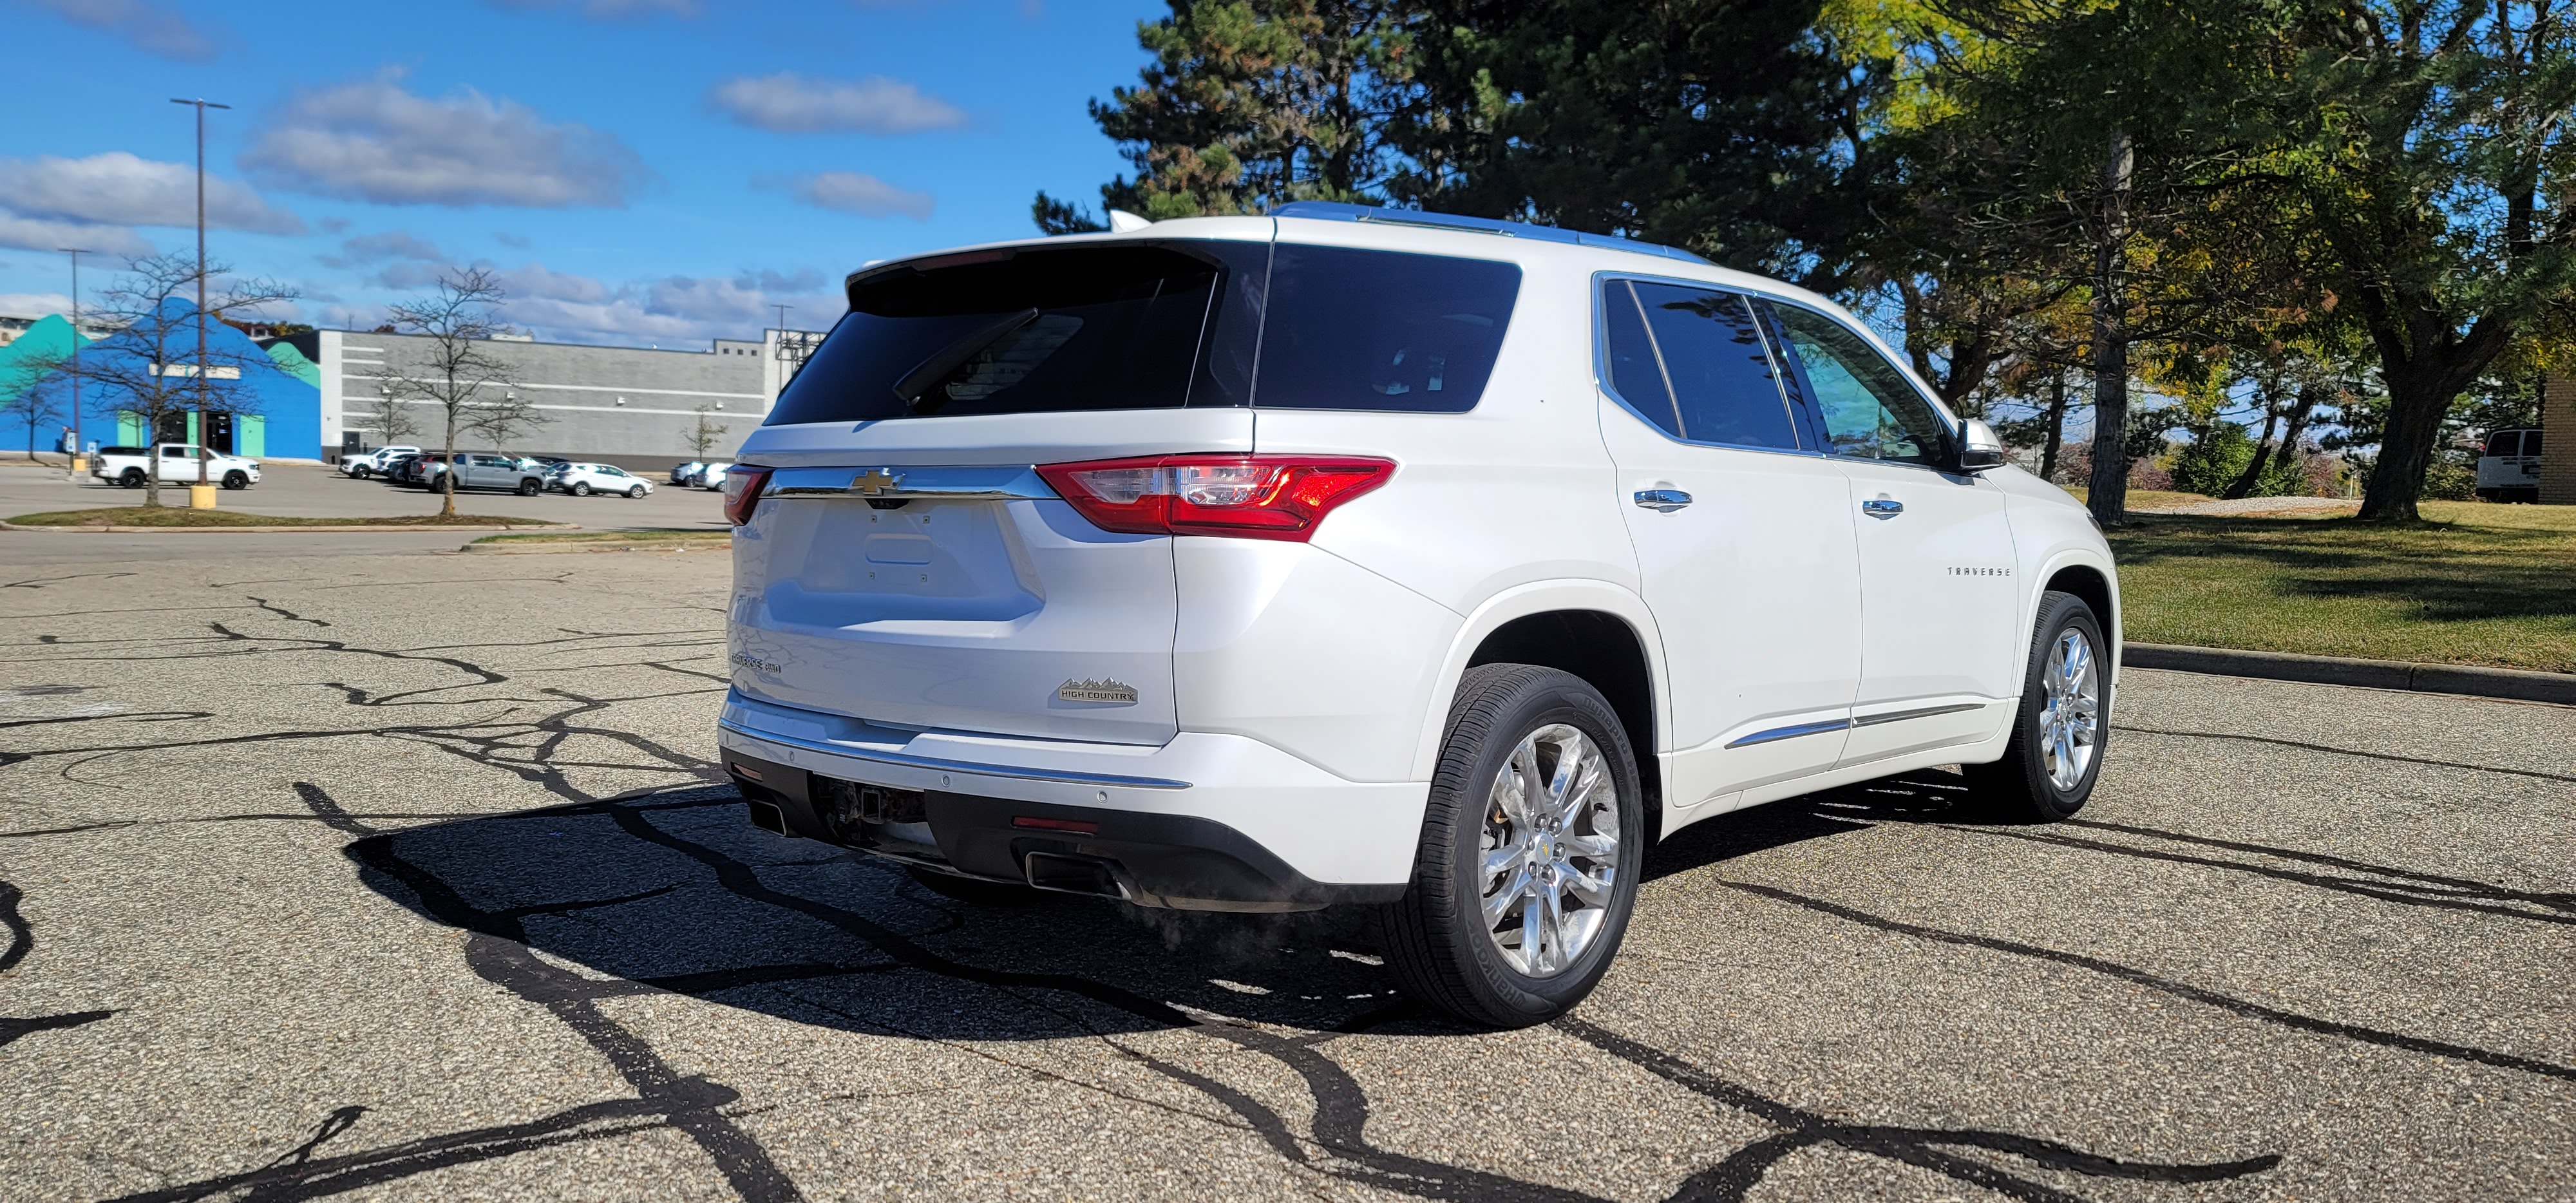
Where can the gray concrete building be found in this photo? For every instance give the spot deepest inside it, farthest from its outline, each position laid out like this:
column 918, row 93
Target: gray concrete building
column 629, row 406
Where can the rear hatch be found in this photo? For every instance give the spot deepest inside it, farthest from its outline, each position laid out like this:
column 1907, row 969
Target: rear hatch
column 904, row 566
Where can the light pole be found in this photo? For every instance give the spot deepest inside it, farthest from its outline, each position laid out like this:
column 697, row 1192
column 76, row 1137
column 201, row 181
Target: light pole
column 200, row 497
column 74, row 457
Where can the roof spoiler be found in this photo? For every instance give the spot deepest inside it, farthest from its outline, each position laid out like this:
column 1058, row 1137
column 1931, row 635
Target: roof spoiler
column 1338, row 211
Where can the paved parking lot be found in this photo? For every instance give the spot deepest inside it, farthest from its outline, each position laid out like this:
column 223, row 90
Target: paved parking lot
column 408, row 876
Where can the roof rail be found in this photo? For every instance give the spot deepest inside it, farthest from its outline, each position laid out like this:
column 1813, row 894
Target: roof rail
column 1338, row 211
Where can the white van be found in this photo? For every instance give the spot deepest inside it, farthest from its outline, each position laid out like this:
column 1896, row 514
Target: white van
column 2509, row 465
column 1349, row 556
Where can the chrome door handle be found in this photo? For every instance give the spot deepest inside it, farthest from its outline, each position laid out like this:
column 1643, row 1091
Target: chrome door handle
column 1882, row 507
column 1662, row 501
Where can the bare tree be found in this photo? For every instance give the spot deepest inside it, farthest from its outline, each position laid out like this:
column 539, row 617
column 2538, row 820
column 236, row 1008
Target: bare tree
column 455, row 371
column 23, row 396
column 160, row 366
column 393, row 419
column 703, row 437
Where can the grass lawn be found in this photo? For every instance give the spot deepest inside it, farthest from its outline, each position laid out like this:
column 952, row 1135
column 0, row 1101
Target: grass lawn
column 2472, row 584
column 171, row 515
column 661, row 535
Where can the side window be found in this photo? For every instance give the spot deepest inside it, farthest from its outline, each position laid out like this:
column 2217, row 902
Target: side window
column 1870, row 410
column 2507, row 443
column 1720, row 373
column 2531, row 442
column 1635, row 374
column 1381, row 330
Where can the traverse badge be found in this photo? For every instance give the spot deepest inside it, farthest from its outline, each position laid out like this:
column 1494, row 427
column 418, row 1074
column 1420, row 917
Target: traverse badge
column 1097, row 691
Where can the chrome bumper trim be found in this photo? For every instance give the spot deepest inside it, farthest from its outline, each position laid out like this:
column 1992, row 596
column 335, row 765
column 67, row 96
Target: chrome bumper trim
column 935, row 764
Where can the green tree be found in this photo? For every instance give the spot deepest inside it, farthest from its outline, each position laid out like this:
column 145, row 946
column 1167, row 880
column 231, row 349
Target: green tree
column 2426, row 155
column 1248, row 104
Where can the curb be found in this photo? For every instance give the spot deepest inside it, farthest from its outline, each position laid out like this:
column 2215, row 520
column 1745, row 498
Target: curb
column 586, row 546
column 262, row 530
column 2510, row 683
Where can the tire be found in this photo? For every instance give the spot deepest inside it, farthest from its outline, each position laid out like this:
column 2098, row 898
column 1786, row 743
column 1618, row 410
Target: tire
column 581, row 489
column 530, row 487
column 2040, row 779
column 973, row 891
column 360, row 472
column 236, row 481
column 131, row 478
column 637, row 493
column 1444, row 951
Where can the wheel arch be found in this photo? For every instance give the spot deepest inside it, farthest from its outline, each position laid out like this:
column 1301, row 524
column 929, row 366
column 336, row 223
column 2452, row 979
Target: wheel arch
column 2094, row 581
column 1596, row 631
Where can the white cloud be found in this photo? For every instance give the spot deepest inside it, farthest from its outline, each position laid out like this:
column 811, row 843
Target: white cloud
column 36, row 304
column 852, row 192
column 373, row 141
column 670, row 310
column 117, row 188
column 377, row 248
column 34, row 234
column 149, row 28
column 789, row 103
column 537, row 281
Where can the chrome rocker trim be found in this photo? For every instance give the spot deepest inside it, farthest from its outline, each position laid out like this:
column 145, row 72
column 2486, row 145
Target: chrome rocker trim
column 936, row 764
column 1845, row 724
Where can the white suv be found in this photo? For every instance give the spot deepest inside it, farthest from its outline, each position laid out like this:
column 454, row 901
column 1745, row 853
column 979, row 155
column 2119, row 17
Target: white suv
column 1353, row 556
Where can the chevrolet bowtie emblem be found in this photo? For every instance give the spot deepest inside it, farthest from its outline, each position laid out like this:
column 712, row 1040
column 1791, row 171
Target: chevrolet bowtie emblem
column 875, row 481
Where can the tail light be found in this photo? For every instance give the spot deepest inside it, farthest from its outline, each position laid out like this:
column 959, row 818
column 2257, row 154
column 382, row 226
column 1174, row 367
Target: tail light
column 742, row 488
column 1240, row 496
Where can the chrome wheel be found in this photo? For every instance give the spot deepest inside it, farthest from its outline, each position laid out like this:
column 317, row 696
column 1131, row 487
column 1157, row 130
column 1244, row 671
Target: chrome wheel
column 1550, row 850
column 2069, row 722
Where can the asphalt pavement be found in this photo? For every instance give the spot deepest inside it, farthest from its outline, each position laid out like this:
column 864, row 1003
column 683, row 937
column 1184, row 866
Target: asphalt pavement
column 410, row 876
column 314, row 491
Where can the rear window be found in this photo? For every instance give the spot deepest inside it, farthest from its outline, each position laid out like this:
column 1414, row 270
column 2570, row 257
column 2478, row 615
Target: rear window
column 1382, row 330
column 1133, row 326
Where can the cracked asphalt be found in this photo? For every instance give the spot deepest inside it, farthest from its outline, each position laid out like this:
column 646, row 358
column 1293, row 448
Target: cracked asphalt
column 409, row 876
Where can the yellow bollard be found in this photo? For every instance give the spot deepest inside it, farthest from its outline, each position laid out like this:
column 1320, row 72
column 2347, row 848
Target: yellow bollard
column 201, row 497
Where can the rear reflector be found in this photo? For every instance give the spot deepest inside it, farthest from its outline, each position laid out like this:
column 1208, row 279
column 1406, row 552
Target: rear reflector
column 1236, row 496
column 742, row 492
column 1076, row 826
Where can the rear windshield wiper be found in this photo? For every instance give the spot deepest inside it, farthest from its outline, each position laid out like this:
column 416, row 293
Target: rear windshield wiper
column 913, row 390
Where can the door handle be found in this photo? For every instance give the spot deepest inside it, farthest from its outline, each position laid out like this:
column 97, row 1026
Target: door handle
column 1662, row 501
column 1882, row 507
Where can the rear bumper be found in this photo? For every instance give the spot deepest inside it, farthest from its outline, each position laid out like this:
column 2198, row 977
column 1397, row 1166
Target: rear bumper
column 1205, row 822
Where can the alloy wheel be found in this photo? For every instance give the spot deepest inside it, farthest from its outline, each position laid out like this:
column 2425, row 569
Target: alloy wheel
column 2069, row 721
column 1549, row 856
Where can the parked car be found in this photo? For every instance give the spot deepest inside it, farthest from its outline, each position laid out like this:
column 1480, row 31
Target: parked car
column 682, row 472
column 398, row 467
column 582, row 480
column 1543, row 547
column 2509, row 465
column 133, row 466
column 711, row 477
column 476, row 470
column 360, row 467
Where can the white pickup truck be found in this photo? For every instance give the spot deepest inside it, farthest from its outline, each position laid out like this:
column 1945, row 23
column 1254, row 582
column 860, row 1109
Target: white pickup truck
column 131, row 466
column 373, row 462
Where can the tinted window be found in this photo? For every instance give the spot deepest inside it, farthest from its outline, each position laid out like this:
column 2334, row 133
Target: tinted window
column 1030, row 331
column 1712, row 353
column 1870, row 410
column 2531, row 442
column 2505, row 443
column 1635, row 374
column 1382, row 330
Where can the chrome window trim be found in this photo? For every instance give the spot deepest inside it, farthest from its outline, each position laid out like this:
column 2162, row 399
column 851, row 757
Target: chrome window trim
column 1601, row 365
column 1008, row 482
column 941, row 765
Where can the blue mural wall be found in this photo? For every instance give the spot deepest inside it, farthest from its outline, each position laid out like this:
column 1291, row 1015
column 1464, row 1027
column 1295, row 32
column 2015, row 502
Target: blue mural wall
column 277, row 412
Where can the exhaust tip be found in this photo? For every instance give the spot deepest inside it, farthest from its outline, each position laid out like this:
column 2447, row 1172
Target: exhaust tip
column 1074, row 875
column 767, row 817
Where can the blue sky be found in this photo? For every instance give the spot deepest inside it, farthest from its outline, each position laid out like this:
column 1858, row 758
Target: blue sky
column 638, row 171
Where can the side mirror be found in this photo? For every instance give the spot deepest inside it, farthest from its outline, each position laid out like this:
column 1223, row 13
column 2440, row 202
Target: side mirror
column 1979, row 448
